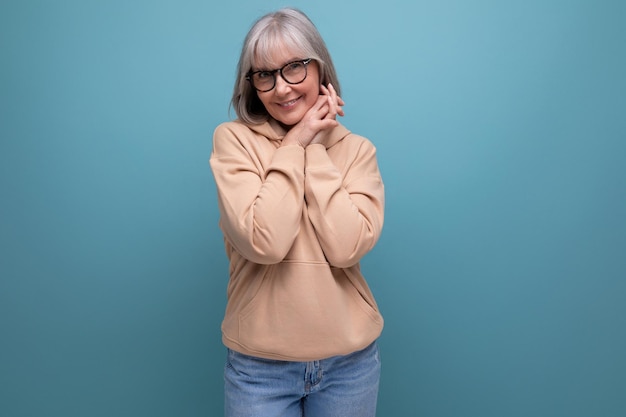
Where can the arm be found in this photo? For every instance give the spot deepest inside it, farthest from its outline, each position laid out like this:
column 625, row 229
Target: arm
column 347, row 214
column 260, row 208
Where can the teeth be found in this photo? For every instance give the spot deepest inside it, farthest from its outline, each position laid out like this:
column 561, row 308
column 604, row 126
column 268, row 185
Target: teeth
column 289, row 103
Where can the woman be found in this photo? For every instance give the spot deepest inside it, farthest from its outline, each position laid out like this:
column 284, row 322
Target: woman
column 301, row 202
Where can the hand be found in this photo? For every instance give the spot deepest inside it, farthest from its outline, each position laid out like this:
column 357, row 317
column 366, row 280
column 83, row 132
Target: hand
column 320, row 119
column 334, row 101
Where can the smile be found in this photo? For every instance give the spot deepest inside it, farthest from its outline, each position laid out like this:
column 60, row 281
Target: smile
column 289, row 103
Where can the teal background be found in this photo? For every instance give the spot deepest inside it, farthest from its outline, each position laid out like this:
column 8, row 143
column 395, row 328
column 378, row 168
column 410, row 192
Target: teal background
column 501, row 135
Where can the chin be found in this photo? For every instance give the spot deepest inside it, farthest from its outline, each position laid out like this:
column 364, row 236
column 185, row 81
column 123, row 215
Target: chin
column 288, row 121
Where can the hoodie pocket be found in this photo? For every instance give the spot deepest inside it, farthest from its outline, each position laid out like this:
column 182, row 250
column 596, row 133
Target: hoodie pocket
column 307, row 310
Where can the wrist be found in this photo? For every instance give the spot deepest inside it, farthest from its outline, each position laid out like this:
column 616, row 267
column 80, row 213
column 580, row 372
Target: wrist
column 291, row 141
column 296, row 136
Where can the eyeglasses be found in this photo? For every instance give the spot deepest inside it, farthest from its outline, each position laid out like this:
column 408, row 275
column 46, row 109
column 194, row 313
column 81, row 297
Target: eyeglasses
column 293, row 73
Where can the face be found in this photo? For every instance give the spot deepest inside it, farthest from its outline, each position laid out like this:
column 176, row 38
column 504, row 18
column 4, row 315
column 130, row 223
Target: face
column 287, row 103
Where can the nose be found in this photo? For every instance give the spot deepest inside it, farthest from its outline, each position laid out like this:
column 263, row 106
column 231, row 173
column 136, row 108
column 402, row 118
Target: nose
column 282, row 87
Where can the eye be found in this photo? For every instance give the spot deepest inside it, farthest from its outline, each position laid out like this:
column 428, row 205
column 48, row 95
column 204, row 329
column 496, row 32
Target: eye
column 293, row 66
column 263, row 75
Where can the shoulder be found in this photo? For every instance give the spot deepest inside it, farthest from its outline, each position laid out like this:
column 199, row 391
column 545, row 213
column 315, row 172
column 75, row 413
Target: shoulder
column 356, row 143
column 234, row 127
column 231, row 138
column 361, row 140
column 234, row 133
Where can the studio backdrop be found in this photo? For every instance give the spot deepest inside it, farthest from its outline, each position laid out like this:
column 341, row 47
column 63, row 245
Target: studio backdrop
column 500, row 129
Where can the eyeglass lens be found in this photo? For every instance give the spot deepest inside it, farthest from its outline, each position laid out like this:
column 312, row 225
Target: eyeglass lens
column 293, row 73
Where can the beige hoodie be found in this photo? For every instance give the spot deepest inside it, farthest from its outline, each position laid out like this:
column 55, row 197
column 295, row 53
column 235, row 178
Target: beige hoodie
column 296, row 222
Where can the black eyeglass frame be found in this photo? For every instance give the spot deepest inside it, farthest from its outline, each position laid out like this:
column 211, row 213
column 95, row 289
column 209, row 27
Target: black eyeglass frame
column 305, row 62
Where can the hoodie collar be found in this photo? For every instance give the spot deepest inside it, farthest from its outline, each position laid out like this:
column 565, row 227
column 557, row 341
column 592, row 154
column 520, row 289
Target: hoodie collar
column 275, row 131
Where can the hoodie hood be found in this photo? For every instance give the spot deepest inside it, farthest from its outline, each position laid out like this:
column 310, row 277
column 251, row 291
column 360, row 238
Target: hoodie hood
column 275, row 131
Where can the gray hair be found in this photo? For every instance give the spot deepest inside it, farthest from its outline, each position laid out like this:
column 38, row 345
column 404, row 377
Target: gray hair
column 287, row 27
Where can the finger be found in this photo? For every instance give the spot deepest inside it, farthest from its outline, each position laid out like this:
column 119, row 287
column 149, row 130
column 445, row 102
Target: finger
column 332, row 93
column 338, row 100
column 332, row 108
column 322, row 101
column 319, row 111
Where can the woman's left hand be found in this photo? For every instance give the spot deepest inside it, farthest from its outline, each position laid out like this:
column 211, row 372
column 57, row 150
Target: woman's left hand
column 335, row 109
column 335, row 102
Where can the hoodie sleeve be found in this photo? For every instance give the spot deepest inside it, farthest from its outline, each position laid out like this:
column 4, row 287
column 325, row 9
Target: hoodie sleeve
column 346, row 207
column 260, row 206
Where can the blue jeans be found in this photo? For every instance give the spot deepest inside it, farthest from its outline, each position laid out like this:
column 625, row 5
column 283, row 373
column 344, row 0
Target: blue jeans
column 341, row 386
